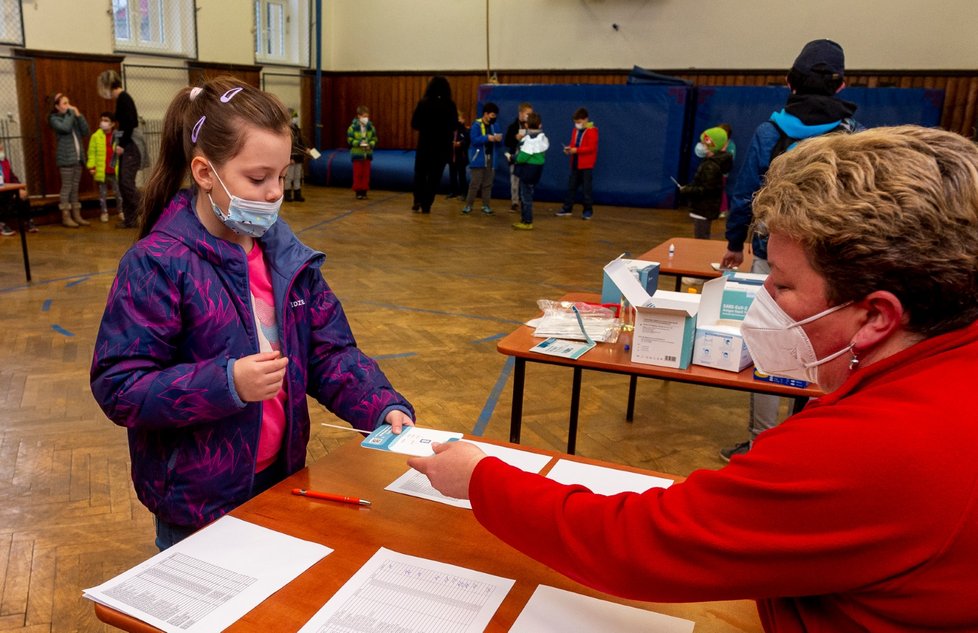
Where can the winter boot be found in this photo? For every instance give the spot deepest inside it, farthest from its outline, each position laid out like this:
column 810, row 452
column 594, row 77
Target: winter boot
column 76, row 214
column 288, row 195
column 66, row 216
column 298, row 196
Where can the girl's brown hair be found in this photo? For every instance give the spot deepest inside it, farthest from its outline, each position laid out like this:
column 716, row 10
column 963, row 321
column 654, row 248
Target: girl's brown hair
column 209, row 120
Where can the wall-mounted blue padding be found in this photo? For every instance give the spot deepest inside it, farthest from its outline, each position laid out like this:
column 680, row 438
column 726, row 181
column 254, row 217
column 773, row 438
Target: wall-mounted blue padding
column 746, row 107
column 392, row 169
column 646, row 134
column 640, row 130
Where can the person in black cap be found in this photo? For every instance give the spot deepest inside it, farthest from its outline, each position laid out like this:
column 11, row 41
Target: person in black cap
column 813, row 109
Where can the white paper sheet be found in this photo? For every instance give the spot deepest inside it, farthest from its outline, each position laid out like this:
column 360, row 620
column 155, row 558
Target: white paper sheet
column 209, row 580
column 552, row 610
column 415, row 484
column 396, row 592
column 603, row 480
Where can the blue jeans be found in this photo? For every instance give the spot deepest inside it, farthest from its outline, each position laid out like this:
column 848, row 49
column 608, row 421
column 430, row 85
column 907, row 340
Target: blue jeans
column 579, row 179
column 526, row 202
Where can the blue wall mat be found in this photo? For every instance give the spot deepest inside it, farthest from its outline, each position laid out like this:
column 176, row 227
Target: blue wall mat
column 392, row 169
column 746, row 107
column 641, row 131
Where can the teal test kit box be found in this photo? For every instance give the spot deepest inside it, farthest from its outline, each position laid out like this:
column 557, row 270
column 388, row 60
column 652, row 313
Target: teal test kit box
column 665, row 323
column 646, row 273
column 719, row 343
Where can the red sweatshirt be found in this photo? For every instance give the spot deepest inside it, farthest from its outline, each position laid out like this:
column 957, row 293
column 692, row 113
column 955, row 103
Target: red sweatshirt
column 587, row 148
column 858, row 514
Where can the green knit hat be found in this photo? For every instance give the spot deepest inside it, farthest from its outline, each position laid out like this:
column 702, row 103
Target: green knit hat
column 718, row 139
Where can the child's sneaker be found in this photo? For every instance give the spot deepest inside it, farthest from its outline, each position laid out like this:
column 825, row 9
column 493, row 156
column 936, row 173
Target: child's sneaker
column 486, row 210
column 563, row 213
column 104, row 217
column 466, row 210
column 523, row 226
column 6, row 231
column 587, row 215
column 31, row 227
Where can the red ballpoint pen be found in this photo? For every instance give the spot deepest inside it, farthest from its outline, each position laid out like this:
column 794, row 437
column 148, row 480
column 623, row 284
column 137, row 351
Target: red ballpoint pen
column 329, row 497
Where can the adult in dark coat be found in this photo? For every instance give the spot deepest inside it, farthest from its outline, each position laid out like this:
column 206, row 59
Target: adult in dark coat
column 435, row 119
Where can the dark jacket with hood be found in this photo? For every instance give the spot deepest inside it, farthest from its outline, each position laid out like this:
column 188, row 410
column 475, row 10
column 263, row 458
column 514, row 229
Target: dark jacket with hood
column 435, row 118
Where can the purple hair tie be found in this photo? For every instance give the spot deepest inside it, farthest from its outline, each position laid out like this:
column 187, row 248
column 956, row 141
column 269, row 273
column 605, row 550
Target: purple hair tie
column 230, row 94
column 196, row 131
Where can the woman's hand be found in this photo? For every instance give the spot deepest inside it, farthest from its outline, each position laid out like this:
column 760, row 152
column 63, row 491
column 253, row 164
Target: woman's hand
column 450, row 469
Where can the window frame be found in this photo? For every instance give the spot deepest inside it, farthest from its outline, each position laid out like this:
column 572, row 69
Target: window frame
column 292, row 36
column 173, row 21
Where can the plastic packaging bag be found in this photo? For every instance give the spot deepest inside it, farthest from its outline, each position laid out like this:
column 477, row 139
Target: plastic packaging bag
column 559, row 321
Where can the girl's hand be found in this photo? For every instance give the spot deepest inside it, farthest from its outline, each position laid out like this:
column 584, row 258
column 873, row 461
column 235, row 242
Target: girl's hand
column 398, row 420
column 259, row 376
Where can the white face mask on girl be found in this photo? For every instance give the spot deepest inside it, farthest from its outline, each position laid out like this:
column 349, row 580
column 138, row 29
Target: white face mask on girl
column 778, row 344
column 700, row 150
column 248, row 217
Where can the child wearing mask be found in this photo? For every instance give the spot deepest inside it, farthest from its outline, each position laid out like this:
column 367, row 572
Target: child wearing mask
column 705, row 192
column 293, row 175
column 583, row 152
column 102, row 161
column 529, row 167
column 219, row 322
column 483, row 138
column 362, row 138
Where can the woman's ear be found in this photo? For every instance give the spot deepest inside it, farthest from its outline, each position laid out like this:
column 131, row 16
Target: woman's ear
column 884, row 318
column 201, row 172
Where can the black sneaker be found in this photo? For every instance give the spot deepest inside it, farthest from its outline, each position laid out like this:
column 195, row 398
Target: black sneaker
column 737, row 449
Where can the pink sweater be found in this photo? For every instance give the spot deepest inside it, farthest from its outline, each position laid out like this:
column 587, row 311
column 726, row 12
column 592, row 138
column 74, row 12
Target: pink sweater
column 858, row 514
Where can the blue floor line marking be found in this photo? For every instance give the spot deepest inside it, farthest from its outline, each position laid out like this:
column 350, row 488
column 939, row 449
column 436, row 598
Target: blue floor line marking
column 324, row 222
column 46, row 305
column 37, row 283
column 61, row 330
column 76, row 282
column 497, row 390
column 389, row 356
column 494, row 337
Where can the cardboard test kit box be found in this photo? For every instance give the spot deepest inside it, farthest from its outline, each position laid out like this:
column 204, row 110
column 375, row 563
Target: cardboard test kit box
column 665, row 324
column 719, row 343
column 647, row 274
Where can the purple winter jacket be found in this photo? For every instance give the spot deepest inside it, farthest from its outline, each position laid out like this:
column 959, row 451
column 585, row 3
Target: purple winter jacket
column 178, row 315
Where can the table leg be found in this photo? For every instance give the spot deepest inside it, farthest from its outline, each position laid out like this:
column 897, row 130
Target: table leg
column 574, row 411
column 516, row 415
column 632, row 383
column 679, row 283
column 23, row 246
column 798, row 403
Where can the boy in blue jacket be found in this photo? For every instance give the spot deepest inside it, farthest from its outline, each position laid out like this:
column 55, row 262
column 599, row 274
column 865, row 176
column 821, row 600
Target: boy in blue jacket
column 483, row 137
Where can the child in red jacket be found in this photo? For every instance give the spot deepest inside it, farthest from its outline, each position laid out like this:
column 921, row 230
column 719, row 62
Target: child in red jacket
column 7, row 176
column 583, row 151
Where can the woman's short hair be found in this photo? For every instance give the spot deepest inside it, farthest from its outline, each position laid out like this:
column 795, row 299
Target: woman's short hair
column 892, row 209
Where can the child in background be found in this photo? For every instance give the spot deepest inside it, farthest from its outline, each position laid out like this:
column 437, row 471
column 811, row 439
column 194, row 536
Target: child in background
column 705, row 192
column 20, row 205
column 459, row 160
column 483, row 138
column 362, row 137
column 102, row 160
column 190, row 355
column 529, row 167
column 583, row 152
column 293, row 175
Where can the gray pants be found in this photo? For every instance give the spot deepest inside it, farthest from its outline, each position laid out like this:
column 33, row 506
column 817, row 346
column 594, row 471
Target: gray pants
column 480, row 185
column 514, row 185
column 70, row 179
column 103, row 193
column 763, row 407
column 293, row 176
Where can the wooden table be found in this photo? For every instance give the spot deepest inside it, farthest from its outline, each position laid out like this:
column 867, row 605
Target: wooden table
column 411, row 526
column 8, row 208
column 691, row 258
column 612, row 358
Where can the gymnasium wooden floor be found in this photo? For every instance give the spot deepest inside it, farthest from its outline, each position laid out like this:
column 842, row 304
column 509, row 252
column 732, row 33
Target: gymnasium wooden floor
column 428, row 296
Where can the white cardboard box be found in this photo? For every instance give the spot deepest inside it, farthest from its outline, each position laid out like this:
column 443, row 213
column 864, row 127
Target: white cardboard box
column 665, row 325
column 719, row 343
column 646, row 272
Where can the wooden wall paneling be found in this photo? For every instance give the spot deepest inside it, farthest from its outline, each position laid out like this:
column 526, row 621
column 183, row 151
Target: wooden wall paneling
column 75, row 75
